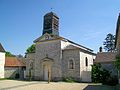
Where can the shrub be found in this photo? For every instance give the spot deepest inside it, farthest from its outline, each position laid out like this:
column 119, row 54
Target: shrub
column 69, row 79
column 99, row 75
column 17, row 76
column 112, row 81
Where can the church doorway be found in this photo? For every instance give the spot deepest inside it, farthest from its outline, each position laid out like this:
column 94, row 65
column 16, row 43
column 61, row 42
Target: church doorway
column 47, row 71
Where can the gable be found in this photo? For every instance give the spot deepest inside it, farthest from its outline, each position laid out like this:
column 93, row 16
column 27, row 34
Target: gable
column 47, row 37
column 1, row 48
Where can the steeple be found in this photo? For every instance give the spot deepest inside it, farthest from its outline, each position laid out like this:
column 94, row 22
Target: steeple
column 51, row 24
column 117, row 40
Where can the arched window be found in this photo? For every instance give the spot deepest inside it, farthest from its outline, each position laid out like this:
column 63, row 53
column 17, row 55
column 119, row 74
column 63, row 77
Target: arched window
column 86, row 61
column 71, row 64
column 31, row 65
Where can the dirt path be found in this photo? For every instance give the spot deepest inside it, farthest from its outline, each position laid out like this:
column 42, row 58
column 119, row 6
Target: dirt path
column 37, row 85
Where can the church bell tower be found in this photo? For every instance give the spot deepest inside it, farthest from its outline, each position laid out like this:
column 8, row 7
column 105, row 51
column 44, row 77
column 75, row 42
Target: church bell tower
column 51, row 24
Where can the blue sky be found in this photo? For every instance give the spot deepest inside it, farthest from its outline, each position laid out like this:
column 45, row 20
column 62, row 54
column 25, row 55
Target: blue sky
column 86, row 22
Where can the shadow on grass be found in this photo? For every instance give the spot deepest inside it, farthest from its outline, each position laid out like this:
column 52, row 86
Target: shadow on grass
column 101, row 87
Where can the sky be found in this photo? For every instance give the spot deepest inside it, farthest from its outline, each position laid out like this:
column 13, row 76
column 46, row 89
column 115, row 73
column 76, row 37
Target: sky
column 86, row 22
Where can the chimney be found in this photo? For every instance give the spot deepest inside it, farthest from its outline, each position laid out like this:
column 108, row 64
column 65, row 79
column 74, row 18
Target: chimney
column 100, row 49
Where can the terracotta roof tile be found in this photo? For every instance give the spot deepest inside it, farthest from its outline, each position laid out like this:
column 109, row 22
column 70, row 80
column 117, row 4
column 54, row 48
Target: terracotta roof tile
column 105, row 57
column 13, row 62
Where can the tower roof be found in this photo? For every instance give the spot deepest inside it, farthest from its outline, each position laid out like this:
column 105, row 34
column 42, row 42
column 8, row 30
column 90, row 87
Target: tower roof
column 51, row 14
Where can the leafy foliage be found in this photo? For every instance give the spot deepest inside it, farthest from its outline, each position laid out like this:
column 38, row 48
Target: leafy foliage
column 9, row 54
column 69, row 79
column 109, row 43
column 117, row 62
column 96, row 73
column 99, row 75
column 112, row 81
column 31, row 49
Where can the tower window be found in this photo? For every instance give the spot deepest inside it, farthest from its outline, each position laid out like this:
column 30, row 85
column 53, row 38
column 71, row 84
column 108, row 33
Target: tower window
column 86, row 61
column 71, row 64
column 51, row 24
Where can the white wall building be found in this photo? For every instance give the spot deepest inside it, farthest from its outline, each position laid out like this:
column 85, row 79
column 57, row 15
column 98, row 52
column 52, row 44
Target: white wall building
column 2, row 61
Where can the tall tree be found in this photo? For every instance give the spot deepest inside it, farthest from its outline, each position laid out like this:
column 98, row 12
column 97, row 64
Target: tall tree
column 109, row 43
column 31, row 49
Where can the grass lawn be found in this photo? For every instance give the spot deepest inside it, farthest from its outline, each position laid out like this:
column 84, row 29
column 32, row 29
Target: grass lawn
column 3, row 79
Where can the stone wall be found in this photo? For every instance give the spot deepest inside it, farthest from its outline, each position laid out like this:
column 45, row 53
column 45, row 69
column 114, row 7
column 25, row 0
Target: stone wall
column 2, row 63
column 71, row 55
column 48, row 49
column 118, row 40
column 30, row 60
column 10, row 72
column 53, row 55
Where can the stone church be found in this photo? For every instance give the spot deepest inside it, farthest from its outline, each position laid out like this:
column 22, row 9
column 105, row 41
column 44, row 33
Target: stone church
column 57, row 56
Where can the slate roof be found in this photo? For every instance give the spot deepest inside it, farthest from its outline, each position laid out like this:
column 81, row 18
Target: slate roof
column 13, row 62
column 105, row 57
column 51, row 14
column 70, row 47
column 1, row 48
column 64, row 39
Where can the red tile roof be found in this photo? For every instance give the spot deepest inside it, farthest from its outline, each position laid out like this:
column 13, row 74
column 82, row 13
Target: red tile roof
column 105, row 57
column 13, row 62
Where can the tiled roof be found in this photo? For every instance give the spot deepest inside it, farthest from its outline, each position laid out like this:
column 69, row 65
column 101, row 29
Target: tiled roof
column 51, row 14
column 105, row 57
column 13, row 62
column 70, row 47
column 62, row 38
column 1, row 48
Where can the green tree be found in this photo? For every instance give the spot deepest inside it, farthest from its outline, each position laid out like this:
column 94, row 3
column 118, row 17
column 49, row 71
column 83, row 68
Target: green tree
column 9, row 54
column 96, row 73
column 99, row 75
column 31, row 49
column 117, row 64
column 109, row 43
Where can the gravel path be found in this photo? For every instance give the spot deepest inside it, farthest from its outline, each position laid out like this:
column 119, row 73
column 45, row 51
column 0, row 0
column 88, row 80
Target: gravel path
column 38, row 85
